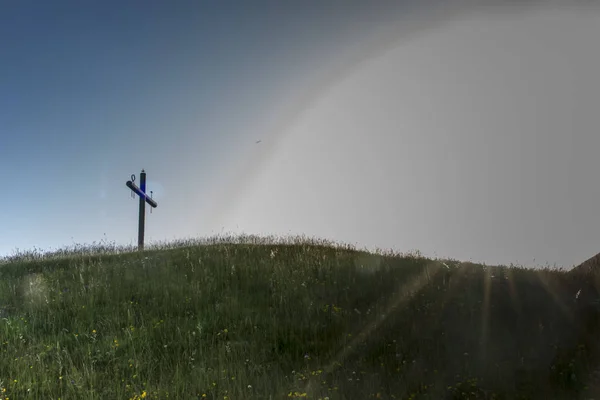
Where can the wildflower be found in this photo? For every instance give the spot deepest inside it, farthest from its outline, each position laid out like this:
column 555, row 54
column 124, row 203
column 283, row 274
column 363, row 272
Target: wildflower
column 296, row 394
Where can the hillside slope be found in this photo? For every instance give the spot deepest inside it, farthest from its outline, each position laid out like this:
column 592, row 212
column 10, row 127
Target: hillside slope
column 270, row 321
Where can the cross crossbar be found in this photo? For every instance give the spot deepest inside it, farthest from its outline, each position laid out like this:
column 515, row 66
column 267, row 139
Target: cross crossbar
column 139, row 192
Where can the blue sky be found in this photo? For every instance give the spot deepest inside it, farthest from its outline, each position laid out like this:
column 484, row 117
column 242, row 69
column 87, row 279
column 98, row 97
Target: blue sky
column 91, row 93
column 369, row 114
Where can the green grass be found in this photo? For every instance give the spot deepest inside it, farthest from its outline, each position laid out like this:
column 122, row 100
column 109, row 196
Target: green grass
column 252, row 318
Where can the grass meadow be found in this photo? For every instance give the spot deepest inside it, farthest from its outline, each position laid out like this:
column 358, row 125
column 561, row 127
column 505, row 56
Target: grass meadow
column 265, row 318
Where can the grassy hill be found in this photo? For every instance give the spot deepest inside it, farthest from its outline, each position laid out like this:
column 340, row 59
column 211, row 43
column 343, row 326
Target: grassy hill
column 268, row 319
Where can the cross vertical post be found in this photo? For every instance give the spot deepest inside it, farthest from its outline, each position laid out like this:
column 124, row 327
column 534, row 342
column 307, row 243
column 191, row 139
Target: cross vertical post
column 142, row 218
column 141, row 192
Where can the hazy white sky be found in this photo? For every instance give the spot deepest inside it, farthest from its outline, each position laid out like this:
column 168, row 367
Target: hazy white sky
column 476, row 141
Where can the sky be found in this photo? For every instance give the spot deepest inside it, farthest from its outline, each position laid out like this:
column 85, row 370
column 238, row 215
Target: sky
column 461, row 129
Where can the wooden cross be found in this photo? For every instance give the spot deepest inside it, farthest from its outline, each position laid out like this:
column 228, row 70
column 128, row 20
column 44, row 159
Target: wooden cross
column 141, row 191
